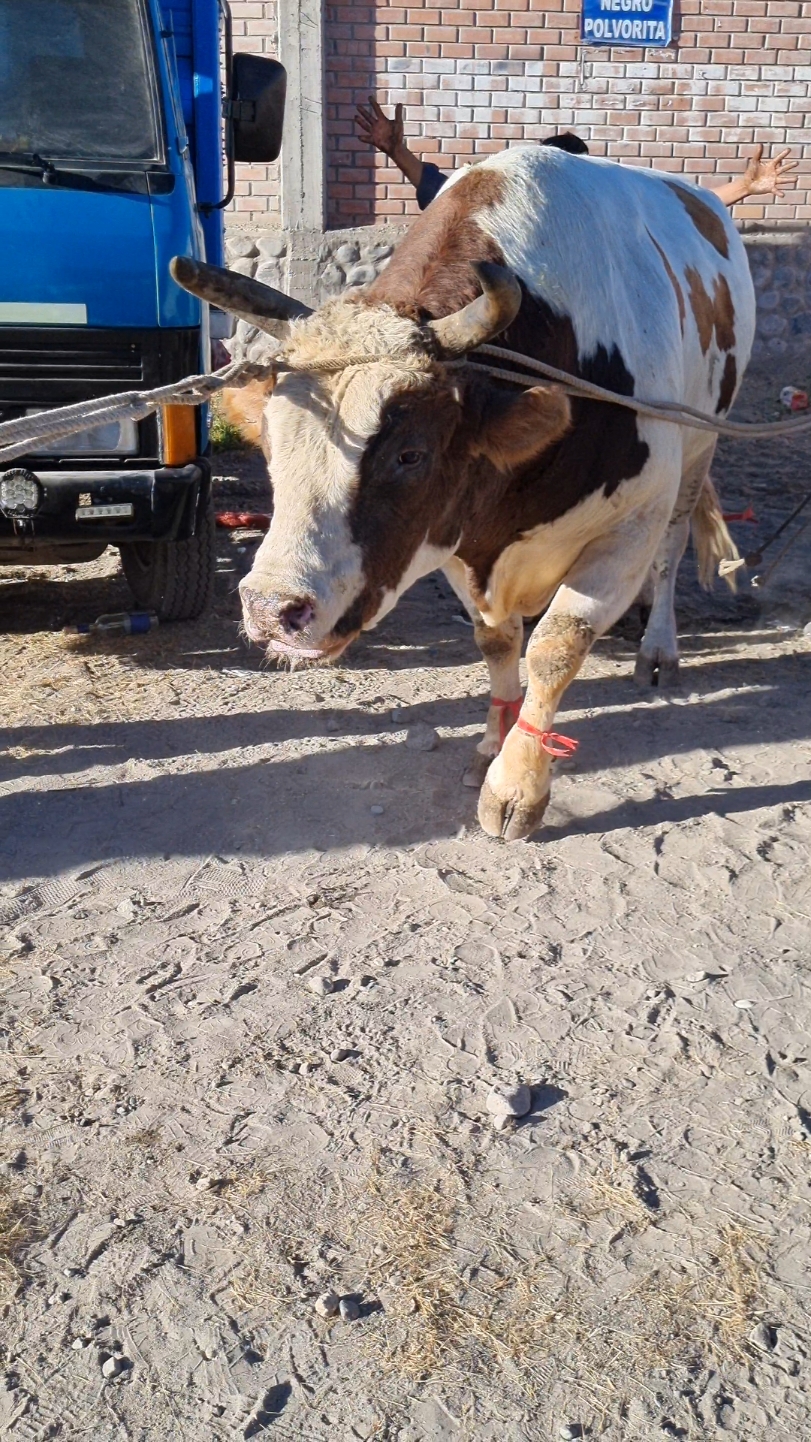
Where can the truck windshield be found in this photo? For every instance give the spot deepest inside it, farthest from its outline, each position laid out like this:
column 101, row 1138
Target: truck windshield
column 75, row 80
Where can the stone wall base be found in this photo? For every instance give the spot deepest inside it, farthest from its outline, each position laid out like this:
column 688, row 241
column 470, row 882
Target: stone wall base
column 314, row 265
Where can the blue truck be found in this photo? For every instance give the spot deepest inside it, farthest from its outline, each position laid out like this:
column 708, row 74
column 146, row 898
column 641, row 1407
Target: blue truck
column 120, row 124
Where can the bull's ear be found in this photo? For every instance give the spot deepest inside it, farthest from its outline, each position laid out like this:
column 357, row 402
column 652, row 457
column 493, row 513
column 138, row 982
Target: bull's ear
column 514, row 428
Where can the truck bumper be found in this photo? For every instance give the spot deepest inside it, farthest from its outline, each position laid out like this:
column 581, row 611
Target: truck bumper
column 103, row 508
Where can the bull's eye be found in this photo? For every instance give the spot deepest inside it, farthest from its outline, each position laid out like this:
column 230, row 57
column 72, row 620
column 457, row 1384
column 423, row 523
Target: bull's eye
column 410, row 458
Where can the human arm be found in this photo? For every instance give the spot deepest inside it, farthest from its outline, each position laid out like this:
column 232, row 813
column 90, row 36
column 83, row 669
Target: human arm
column 761, row 177
column 387, row 135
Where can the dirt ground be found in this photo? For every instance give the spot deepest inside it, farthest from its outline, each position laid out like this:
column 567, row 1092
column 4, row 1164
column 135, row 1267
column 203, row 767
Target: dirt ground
column 200, row 1137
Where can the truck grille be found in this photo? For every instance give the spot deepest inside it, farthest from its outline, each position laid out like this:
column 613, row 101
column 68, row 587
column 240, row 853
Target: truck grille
column 55, row 367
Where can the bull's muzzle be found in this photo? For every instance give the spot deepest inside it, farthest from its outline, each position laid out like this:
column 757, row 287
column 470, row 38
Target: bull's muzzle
column 281, row 622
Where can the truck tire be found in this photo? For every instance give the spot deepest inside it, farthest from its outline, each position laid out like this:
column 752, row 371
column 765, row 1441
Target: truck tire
column 174, row 578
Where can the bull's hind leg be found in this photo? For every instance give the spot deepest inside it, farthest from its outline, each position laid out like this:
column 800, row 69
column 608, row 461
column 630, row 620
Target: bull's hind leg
column 658, row 659
column 597, row 590
column 501, row 649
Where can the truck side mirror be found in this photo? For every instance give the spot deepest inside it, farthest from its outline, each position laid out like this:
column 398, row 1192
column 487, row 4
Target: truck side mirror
column 258, row 87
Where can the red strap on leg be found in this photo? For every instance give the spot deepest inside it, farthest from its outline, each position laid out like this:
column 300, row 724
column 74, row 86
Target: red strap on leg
column 551, row 741
column 509, row 712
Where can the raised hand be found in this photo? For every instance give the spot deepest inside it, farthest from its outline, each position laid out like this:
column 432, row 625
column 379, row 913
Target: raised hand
column 767, row 177
column 376, row 129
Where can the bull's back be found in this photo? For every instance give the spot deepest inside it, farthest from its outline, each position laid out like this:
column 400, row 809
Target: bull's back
column 637, row 264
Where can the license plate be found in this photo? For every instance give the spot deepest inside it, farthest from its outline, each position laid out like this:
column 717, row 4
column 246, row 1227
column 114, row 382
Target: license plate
column 105, row 513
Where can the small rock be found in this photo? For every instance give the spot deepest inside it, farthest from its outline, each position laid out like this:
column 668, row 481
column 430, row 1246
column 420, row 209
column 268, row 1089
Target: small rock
column 807, row 631
column 272, row 247
column 744, row 1005
column 111, row 1367
column 332, row 279
column 347, row 254
column 502, row 1122
column 333, row 725
column 320, row 985
column 421, row 737
column 269, row 273
column 240, row 247
column 361, row 275
column 340, row 1053
column 244, row 266
column 327, row 1304
column 398, row 716
column 763, row 1337
column 509, row 1101
column 12, row 944
column 570, row 1431
column 349, row 1309
column 380, row 252
column 79, row 1343
column 377, row 810
column 208, row 1183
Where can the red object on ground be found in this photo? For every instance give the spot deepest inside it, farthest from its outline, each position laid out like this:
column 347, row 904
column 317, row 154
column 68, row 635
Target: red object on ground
column 794, row 399
column 747, row 515
column 243, row 520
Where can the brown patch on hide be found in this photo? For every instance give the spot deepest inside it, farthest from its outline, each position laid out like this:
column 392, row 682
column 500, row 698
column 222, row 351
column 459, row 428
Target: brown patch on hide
column 431, row 273
column 729, row 380
column 704, row 218
column 671, row 275
column 702, row 308
column 724, row 314
column 713, row 315
column 400, row 503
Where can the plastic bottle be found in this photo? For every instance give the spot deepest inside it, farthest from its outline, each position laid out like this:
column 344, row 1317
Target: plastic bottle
column 132, row 623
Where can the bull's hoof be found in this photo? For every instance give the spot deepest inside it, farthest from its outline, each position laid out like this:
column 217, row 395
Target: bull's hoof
column 657, row 669
column 512, row 819
column 477, row 770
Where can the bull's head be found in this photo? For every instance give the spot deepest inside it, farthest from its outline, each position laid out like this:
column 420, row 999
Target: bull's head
column 380, row 450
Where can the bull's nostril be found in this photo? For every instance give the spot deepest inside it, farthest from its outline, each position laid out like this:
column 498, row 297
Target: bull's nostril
column 296, row 616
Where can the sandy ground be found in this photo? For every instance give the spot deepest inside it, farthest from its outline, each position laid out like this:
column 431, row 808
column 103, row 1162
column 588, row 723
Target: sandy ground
column 200, row 1138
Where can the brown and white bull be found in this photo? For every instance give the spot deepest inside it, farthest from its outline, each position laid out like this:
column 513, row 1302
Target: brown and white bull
column 389, row 462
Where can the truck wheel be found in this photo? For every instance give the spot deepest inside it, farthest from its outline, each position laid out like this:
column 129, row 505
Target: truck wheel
column 174, row 578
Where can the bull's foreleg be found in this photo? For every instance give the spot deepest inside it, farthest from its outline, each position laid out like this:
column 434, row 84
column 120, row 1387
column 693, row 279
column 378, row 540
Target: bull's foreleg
column 515, row 793
column 501, row 649
column 658, row 659
column 598, row 589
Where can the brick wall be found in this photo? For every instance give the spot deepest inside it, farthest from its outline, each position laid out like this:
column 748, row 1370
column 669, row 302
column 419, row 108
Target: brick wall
column 257, row 198
column 477, row 80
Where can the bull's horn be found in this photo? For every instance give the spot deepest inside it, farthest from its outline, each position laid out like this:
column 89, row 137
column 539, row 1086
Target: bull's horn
column 485, row 317
column 247, row 299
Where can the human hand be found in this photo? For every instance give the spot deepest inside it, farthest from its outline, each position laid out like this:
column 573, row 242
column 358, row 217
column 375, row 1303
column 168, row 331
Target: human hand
column 767, row 177
column 376, row 129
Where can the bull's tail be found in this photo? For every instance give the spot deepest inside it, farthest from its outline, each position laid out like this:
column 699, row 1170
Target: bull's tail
column 242, row 407
column 711, row 538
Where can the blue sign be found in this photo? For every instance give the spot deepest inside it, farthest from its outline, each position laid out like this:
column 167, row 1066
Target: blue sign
column 641, row 23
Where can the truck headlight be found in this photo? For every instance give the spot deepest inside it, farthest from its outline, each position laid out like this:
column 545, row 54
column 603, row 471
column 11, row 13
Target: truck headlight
column 20, row 493
column 114, row 438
